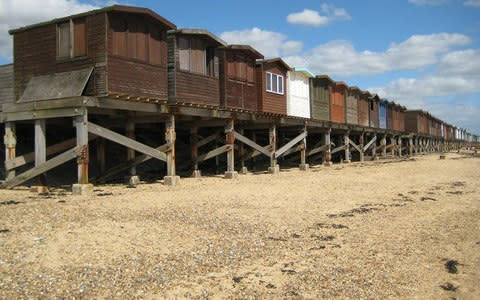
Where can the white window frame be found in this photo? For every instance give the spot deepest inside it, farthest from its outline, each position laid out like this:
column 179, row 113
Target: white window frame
column 280, row 79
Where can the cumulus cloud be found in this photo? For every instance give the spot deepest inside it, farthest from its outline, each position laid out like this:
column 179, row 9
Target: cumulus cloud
column 472, row 3
column 428, row 2
column 310, row 17
column 17, row 13
column 269, row 43
column 341, row 58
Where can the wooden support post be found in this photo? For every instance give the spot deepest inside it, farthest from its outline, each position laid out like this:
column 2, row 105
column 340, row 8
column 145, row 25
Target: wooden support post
column 241, row 153
column 40, row 156
column 82, row 187
column 10, row 141
column 346, row 143
column 361, row 145
column 196, row 173
column 374, row 147
column 272, row 134
column 101, row 162
column 303, row 153
column 399, row 146
column 383, row 142
column 132, row 179
column 393, row 143
column 410, row 146
column 170, row 136
column 328, row 152
column 230, row 140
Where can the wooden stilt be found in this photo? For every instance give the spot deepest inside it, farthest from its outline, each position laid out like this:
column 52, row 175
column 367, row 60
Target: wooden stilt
column 361, row 145
column 399, row 146
column 410, row 146
column 272, row 134
column 241, row 154
column 328, row 152
column 170, row 136
column 40, row 155
column 383, row 143
column 393, row 143
column 303, row 153
column 10, row 140
column 196, row 173
column 82, row 187
column 230, row 140
column 374, row 147
column 346, row 143
column 132, row 179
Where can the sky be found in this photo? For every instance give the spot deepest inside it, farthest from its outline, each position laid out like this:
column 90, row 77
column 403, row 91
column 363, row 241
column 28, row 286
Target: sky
column 423, row 54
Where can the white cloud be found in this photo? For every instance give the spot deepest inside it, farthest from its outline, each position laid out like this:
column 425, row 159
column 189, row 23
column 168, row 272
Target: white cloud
column 17, row 13
column 269, row 43
column 428, row 2
column 341, row 58
column 310, row 17
column 472, row 3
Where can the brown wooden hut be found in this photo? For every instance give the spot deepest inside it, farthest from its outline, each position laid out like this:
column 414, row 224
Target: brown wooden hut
column 114, row 51
column 353, row 95
column 271, row 92
column 373, row 110
column 193, row 67
column 320, row 93
column 416, row 121
column 338, row 102
column 390, row 114
column 399, row 118
column 238, row 83
column 363, row 108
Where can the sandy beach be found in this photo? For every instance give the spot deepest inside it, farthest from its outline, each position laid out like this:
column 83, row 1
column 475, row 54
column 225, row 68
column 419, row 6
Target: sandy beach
column 384, row 229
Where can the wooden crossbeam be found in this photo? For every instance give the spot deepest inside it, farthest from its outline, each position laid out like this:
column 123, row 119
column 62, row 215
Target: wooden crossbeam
column 208, row 139
column 369, row 143
column 128, row 164
column 293, row 150
column 214, row 152
column 125, row 141
column 29, row 157
column 316, row 150
column 252, row 144
column 290, row 144
column 339, row 148
column 354, row 145
column 48, row 165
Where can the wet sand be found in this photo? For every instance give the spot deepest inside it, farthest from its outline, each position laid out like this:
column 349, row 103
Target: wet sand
column 383, row 229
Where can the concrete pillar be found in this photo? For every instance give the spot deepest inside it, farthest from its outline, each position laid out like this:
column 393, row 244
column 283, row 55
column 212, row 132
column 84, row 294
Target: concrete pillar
column 40, row 155
column 346, row 143
column 230, row 140
column 196, row 173
column 82, row 187
column 303, row 153
column 170, row 137
column 131, row 179
column 272, row 134
column 361, row 145
column 328, row 152
column 10, row 141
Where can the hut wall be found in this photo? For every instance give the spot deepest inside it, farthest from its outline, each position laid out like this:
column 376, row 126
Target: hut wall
column 35, row 53
column 373, row 112
column 238, row 82
column 382, row 115
column 6, row 84
column 352, row 108
column 298, row 95
column 193, row 70
column 390, row 117
column 320, row 98
column 337, row 105
column 412, row 122
column 363, row 119
column 270, row 102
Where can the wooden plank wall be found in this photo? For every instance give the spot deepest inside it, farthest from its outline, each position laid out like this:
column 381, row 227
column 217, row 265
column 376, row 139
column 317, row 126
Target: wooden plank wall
column 320, row 98
column 363, row 108
column 373, row 112
column 267, row 101
column 337, row 105
column 35, row 54
column 6, row 84
column 352, row 108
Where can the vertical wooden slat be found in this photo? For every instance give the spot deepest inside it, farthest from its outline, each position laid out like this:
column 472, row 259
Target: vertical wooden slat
column 141, row 41
column 198, row 58
column 80, row 37
column 63, row 44
column 184, row 53
column 132, row 38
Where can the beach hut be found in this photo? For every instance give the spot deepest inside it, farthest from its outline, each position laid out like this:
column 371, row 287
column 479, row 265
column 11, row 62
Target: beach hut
column 193, row 71
column 416, row 121
column 382, row 114
column 399, row 118
column 373, row 112
column 271, row 94
column 238, row 83
column 320, row 93
column 363, row 109
column 338, row 102
column 353, row 95
column 390, row 117
column 298, row 92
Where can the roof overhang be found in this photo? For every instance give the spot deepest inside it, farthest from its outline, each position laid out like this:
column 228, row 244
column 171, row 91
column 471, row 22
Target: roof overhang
column 246, row 48
column 201, row 32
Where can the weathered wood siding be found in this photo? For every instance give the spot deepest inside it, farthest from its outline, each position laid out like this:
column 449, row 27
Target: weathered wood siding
column 270, row 102
column 382, row 114
column 416, row 122
column 352, row 108
column 137, row 56
column 6, row 84
column 337, row 105
column 189, row 87
column 35, row 53
column 320, row 90
column 238, row 81
column 398, row 119
column 298, row 96
column 373, row 112
column 390, row 117
column 363, row 118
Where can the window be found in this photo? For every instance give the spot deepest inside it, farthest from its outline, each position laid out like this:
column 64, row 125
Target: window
column 72, row 39
column 195, row 57
column 274, row 83
column 371, row 105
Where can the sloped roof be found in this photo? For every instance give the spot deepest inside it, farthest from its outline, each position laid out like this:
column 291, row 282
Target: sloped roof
column 203, row 32
column 246, row 48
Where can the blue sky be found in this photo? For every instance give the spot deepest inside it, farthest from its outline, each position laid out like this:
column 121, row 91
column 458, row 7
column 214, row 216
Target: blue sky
column 421, row 53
